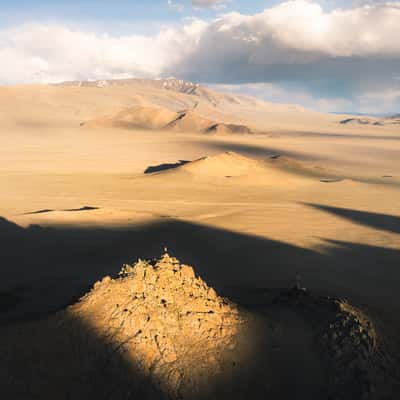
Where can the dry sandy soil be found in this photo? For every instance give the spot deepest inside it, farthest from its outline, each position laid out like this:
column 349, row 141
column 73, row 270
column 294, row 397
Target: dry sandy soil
column 274, row 192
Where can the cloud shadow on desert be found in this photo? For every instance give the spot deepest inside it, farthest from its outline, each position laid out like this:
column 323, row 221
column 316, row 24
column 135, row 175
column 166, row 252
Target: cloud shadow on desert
column 50, row 267
column 389, row 223
column 47, row 268
column 264, row 152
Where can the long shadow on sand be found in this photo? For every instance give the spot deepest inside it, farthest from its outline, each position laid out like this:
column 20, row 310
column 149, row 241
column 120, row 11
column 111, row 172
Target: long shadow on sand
column 64, row 357
column 261, row 151
column 163, row 167
column 46, row 268
column 264, row 152
column 49, row 267
column 389, row 223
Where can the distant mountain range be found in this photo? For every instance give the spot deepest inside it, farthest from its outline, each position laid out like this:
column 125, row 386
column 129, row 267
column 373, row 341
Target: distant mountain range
column 360, row 114
column 368, row 120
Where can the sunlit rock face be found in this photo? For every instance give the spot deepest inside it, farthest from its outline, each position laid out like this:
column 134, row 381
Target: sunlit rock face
column 167, row 322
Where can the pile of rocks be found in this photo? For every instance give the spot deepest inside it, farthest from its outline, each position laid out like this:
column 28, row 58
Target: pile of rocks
column 351, row 340
column 356, row 358
column 361, row 367
column 166, row 321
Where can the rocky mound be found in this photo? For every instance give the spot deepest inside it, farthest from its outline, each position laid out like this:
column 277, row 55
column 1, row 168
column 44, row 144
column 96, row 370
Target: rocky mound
column 351, row 340
column 169, row 323
column 160, row 332
column 355, row 356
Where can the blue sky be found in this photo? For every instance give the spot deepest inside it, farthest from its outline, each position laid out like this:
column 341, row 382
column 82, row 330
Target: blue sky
column 117, row 17
column 121, row 16
column 329, row 55
column 118, row 11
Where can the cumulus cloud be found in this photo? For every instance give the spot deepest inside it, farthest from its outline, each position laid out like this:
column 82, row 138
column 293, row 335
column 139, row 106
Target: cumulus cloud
column 327, row 54
column 49, row 53
column 337, row 54
column 300, row 32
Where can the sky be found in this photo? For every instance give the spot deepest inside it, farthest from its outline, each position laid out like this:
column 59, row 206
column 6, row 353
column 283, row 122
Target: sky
column 329, row 55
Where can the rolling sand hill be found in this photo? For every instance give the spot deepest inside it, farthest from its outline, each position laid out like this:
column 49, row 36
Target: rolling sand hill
column 225, row 164
column 137, row 117
column 303, row 195
column 274, row 171
column 69, row 104
column 156, row 118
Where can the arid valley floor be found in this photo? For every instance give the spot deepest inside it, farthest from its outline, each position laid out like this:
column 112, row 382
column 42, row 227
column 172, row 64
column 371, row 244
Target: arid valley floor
column 252, row 194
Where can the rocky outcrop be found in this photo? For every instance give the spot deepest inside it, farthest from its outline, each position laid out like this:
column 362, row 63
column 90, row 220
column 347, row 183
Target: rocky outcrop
column 361, row 364
column 358, row 363
column 169, row 323
column 351, row 341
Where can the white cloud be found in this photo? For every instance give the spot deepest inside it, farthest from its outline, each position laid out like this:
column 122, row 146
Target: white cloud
column 331, row 54
column 303, row 26
column 49, row 53
column 349, row 51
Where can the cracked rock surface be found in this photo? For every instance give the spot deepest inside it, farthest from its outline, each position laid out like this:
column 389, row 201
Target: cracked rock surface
column 165, row 320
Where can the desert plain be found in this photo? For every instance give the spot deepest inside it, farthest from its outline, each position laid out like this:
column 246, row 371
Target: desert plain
column 254, row 195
